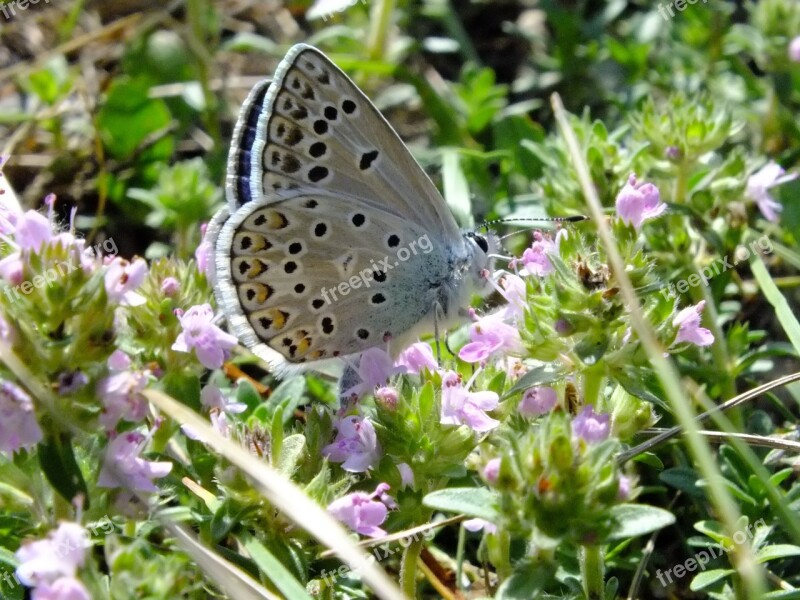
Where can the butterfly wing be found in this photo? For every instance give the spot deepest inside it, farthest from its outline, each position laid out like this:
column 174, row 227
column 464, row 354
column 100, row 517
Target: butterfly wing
column 317, row 130
column 314, row 277
column 309, row 149
column 240, row 157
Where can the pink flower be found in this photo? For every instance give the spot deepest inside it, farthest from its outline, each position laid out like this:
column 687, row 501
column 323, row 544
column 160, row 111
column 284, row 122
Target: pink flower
column 460, row 407
column 406, row 475
column 417, row 358
column 203, row 254
column 18, row 426
column 170, row 287
column 59, row 555
column 478, row 524
column 375, row 366
column 488, row 336
column 122, row 397
column 537, row 401
column 794, row 49
column 118, row 361
column 536, row 259
column 591, row 427
column 688, row 323
column 199, row 333
column 70, row 382
column 12, row 268
column 492, row 470
column 122, row 278
column 361, row 512
column 33, row 230
column 121, row 392
column 637, row 202
column 387, row 397
column 220, row 407
column 212, row 398
column 624, row 490
column 65, row 588
column 759, row 184
column 356, row 445
column 123, row 467
column 512, row 288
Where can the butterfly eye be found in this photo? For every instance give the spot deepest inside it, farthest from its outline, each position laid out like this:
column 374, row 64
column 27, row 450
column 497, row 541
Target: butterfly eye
column 481, row 241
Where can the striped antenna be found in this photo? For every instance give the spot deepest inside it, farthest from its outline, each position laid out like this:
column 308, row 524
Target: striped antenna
column 572, row 219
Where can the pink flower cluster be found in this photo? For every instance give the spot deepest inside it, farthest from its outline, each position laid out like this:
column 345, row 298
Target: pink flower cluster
column 18, row 426
column 50, row 565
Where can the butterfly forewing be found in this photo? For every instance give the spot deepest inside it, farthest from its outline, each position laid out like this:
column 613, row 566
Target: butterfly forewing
column 240, row 157
column 319, row 131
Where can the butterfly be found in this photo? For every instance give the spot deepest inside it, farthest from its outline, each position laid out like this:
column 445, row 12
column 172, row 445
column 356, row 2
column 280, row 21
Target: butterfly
column 333, row 239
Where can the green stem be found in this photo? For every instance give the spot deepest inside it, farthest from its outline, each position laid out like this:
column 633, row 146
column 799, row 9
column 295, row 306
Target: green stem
column 408, row 568
column 381, row 19
column 592, row 384
column 462, row 540
column 592, row 571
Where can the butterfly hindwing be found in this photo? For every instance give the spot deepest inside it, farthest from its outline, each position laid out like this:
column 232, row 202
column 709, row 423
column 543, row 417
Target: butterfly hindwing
column 321, row 276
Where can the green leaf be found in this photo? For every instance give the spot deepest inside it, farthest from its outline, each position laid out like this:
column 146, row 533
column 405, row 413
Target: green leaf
column 638, row 519
column 510, row 132
column 782, row 595
column 291, row 453
column 636, row 382
column 57, row 458
column 276, row 437
column 290, row 394
column 649, row 459
column 777, row 551
column 476, row 502
column 684, row 479
column 538, row 376
column 225, row 519
column 426, row 401
column 714, row 530
column 247, row 394
column 782, row 309
column 276, row 571
column 526, row 583
column 129, row 116
column 703, row 580
column 456, row 188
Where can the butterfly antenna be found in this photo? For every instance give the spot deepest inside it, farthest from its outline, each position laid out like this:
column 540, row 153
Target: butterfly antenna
column 572, row 219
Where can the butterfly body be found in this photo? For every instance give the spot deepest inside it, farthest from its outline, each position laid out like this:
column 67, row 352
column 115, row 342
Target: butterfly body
column 334, row 240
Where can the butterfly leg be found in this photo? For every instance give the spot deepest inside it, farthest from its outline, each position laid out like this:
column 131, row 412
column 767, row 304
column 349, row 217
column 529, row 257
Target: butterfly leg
column 348, row 381
column 436, row 309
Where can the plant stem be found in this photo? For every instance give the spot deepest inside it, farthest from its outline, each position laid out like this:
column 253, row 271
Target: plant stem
column 592, row 571
column 381, row 19
column 408, row 568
